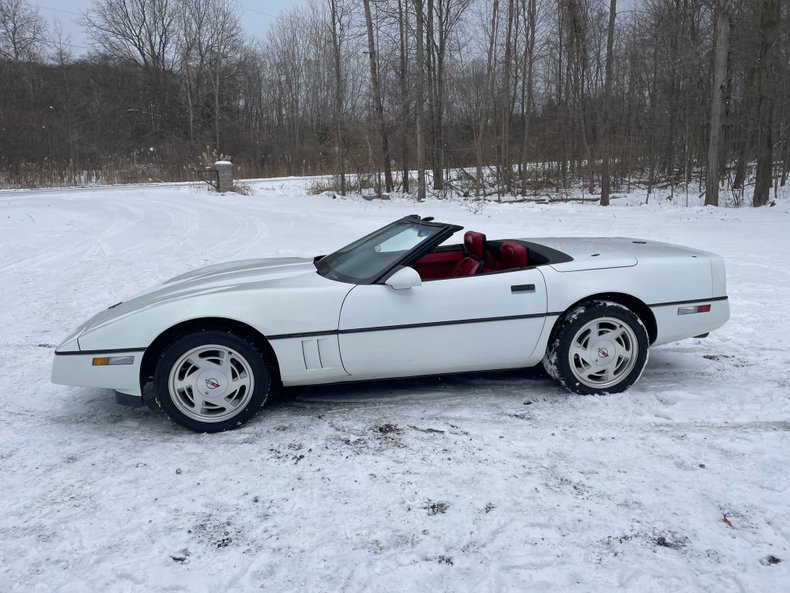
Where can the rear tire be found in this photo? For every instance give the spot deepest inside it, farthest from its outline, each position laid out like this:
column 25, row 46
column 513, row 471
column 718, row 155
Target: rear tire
column 212, row 380
column 598, row 347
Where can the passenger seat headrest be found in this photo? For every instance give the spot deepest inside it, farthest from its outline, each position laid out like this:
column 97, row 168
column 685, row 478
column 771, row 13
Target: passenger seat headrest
column 474, row 243
column 514, row 255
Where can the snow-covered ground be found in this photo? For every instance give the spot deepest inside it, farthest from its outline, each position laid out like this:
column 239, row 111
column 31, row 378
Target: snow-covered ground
column 489, row 482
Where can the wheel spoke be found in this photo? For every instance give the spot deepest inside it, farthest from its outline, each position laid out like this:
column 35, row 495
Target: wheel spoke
column 225, row 365
column 614, row 334
column 198, row 402
column 581, row 347
column 585, row 371
column 195, row 362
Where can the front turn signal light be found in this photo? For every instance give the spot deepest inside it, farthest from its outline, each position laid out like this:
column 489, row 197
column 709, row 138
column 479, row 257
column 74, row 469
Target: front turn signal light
column 103, row 361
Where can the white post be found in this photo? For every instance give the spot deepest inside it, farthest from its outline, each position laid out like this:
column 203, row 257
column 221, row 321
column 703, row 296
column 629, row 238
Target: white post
column 224, row 176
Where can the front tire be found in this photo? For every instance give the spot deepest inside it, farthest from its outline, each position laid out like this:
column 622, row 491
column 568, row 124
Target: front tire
column 598, row 347
column 212, row 380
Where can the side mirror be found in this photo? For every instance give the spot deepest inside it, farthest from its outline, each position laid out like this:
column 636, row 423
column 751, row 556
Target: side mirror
column 404, row 278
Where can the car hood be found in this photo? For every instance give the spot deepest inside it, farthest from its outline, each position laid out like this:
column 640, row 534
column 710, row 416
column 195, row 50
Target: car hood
column 256, row 274
column 248, row 270
column 592, row 253
column 236, row 275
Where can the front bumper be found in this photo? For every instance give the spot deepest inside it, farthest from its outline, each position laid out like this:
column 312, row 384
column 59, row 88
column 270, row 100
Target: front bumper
column 77, row 368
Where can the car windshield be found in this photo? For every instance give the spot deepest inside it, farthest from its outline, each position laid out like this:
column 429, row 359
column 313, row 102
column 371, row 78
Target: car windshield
column 366, row 259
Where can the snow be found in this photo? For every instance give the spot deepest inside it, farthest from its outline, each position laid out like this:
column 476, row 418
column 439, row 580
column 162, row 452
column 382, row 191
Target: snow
column 484, row 482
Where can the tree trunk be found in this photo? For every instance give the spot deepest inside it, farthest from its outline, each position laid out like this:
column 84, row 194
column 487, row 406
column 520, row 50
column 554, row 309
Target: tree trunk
column 530, row 29
column 653, row 92
column 766, row 88
column 480, row 124
column 338, row 106
column 215, row 78
column 418, row 8
column 432, row 81
column 719, row 74
column 378, row 108
column 404, row 97
column 606, row 184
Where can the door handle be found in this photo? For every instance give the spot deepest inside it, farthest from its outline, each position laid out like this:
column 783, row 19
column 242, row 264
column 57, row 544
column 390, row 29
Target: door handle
column 522, row 288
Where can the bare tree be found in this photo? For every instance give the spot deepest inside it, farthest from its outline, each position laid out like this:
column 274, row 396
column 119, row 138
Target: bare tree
column 505, row 166
column 530, row 30
column 337, row 26
column 194, row 21
column 224, row 43
column 578, row 63
column 142, row 32
column 443, row 17
column 378, row 107
column 403, row 97
column 210, row 39
column 486, row 95
column 606, row 183
column 722, row 39
column 419, row 99
column 22, row 31
column 766, row 87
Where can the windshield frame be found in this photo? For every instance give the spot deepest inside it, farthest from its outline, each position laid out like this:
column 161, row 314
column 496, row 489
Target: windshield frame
column 328, row 266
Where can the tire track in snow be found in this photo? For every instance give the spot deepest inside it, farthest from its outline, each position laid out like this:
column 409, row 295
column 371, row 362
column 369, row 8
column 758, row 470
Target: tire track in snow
column 117, row 225
column 757, row 425
column 245, row 227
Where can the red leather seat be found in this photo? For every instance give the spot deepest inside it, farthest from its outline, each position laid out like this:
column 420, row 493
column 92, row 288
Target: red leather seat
column 472, row 263
column 514, row 255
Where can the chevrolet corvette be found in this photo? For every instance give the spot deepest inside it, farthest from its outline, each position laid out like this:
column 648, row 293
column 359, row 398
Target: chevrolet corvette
column 402, row 301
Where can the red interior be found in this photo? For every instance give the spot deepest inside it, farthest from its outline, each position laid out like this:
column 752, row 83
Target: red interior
column 514, row 255
column 439, row 264
column 492, row 262
column 472, row 263
column 475, row 257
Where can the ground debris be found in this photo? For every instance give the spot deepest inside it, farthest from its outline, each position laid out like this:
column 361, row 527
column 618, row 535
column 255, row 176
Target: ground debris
column 671, row 541
column 428, row 430
column 182, row 557
column 436, row 507
column 388, row 429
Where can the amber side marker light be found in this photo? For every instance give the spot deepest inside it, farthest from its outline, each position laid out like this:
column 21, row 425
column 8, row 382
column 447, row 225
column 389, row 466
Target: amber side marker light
column 693, row 309
column 104, row 361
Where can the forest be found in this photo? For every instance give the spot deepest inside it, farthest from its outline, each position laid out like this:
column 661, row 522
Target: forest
column 482, row 98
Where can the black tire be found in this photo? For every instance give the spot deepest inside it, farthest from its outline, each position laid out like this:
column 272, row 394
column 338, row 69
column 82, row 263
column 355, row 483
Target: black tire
column 212, row 380
column 598, row 347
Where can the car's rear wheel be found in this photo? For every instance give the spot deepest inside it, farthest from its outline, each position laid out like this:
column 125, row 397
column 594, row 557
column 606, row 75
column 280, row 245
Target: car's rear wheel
column 212, row 380
column 598, row 347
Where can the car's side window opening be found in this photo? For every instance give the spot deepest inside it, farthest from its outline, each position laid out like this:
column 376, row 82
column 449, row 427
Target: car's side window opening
column 499, row 256
column 416, row 242
column 476, row 256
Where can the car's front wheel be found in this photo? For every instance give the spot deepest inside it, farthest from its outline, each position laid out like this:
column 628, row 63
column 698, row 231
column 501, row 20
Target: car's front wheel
column 212, row 380
column 598, row 347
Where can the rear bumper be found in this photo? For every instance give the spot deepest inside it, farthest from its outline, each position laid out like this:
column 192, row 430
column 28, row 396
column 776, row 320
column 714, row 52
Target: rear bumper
column 77, row 368
column 673, row 326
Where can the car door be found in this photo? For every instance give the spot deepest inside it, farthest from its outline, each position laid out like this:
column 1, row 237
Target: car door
column 490, row 321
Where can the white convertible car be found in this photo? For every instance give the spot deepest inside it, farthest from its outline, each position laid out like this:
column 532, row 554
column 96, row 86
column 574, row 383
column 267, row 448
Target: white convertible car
column 399, row 302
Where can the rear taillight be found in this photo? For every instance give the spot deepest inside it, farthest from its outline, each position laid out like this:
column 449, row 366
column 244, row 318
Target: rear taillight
column 689, row 309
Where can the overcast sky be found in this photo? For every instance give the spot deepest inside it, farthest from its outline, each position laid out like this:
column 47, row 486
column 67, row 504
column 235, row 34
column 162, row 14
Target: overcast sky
column 256, row 16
